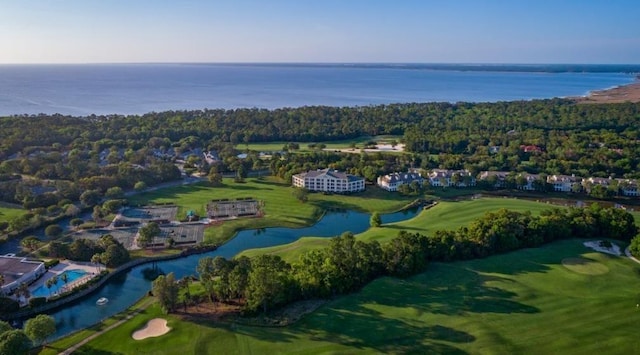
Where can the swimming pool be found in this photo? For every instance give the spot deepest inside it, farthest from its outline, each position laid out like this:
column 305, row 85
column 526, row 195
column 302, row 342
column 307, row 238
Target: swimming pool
column 44, row 291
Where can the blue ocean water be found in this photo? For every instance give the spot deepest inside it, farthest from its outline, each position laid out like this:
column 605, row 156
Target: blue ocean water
column 142, row 88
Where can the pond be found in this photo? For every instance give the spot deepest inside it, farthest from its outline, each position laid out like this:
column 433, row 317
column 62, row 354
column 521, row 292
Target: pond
column 125, row 289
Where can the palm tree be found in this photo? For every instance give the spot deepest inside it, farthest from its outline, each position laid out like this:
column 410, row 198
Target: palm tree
column 49, row 283
column 95, row 259
column 65, row 278
column 23, row 291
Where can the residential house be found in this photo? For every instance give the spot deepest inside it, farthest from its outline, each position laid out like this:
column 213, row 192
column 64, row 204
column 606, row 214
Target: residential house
column 587, row 184
column 447, row 178
column 628, row 187
column 529, row 181
column 391, row 182
column 328, row 180
column 500, row 177
column 531, row 149
column 563, row 183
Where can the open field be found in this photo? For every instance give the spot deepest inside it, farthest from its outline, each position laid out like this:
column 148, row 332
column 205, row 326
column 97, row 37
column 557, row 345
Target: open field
column 8, row 212
column 445, row 215
column 280, row 206
column 304, row 146
column 524, row 302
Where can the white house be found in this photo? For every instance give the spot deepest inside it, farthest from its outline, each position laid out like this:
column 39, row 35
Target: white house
column 593, row 181
column 500, row 177
column 328, row 180
column 391, row 182
column 17, row 270
column 445, row 178
column 563, row 183
column 628, row 187
column 529, row 181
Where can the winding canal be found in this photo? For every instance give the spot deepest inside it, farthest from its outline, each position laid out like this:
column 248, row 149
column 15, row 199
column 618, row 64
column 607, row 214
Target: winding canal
column 125, row 289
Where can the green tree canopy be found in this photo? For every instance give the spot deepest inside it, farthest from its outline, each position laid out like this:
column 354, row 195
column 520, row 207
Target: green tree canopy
column 376, row 220
column 39, row 328
column 14, row 342
column 147, row 233
column 166, row 289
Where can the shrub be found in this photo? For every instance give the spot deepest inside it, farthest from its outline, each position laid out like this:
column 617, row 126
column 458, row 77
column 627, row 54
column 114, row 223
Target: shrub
column 36, row 302
column 53, row 230
column 76, row 222
column 51, row 263
column 8, row 305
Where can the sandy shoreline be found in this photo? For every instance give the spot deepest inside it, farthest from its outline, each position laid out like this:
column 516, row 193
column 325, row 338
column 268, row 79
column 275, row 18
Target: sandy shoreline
column 623, row 93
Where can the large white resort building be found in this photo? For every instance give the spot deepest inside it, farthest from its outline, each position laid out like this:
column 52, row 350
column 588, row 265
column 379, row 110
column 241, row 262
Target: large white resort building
column 328, row 180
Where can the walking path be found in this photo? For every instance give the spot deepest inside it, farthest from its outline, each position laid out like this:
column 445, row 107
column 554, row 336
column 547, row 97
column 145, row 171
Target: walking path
column 144, row 306
column 628, row 254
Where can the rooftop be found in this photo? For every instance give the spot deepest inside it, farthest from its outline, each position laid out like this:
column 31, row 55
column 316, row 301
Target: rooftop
column 12, row 268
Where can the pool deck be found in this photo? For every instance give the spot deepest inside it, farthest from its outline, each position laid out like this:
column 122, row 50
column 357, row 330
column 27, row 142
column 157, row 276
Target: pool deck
column 90, row 268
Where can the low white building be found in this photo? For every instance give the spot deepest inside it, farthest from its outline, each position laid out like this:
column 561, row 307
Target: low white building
column 391, row 182
column 563, row 183
column 628, row 187
column 448, row 178
column 529, row 181
column 18, row 270
column 589, row 183
column 499, row 176
column 328, row 180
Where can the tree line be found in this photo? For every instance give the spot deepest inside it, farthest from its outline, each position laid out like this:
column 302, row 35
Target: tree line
column 48, row 159
column 267, row 281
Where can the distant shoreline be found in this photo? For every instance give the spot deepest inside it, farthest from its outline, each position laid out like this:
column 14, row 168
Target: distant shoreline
column 623, row 93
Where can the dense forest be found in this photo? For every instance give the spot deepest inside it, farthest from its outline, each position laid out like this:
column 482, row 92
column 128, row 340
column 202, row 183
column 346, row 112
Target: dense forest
column 48, row 160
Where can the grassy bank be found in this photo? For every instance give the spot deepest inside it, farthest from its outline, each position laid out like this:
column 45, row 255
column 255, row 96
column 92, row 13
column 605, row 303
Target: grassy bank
column 445, row 215
column 280, row 206
column 8, row 212
column 522, row 302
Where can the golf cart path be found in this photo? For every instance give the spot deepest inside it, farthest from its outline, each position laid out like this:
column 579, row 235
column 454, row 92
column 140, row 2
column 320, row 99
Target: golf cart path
column 70, row 350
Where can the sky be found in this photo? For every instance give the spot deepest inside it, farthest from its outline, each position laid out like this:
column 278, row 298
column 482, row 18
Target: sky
column 371, row 31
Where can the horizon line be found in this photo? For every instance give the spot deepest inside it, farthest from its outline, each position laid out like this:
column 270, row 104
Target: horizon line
column 320, row 63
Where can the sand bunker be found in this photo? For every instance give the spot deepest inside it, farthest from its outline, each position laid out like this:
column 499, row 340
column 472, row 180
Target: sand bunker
column 596, row 245
column 154, row 328
column 585, row 266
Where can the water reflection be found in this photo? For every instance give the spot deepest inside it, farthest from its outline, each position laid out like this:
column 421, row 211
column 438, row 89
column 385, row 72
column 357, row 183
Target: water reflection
column 125, row 289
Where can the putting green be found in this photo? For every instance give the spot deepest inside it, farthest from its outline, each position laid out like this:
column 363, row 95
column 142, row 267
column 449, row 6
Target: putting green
column 585, row 266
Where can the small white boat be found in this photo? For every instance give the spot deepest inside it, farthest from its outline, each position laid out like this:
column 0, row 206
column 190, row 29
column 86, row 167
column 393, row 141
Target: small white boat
column 102, row 301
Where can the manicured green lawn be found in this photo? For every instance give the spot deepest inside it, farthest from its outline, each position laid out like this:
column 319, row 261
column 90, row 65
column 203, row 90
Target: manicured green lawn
column 636, row 217
column 524, row 302
column 280, row 206
column 445, row 215
column 304, row 146
column 8, row 212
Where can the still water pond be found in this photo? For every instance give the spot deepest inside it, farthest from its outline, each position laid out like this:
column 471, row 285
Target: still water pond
column 124, row 289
